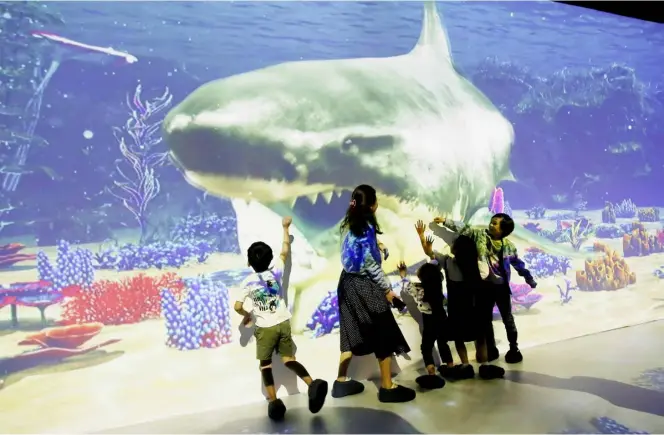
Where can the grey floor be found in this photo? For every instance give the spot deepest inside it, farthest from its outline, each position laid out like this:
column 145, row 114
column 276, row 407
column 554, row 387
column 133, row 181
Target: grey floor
column 611, row 382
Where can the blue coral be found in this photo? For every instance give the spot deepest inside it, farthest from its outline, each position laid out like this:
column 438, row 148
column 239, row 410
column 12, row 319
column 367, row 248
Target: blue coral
column 325, row 318
column 157, row 255
column 202, row 319
column 606, row 425
column 219, row 231
column 536, row 212
column 73, row 266
column 542, row 264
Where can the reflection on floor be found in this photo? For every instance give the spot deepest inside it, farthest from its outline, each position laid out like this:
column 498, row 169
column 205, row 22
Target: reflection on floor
column 611, row 382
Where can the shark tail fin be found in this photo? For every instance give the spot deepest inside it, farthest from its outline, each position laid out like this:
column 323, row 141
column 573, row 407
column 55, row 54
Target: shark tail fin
column 433, row 34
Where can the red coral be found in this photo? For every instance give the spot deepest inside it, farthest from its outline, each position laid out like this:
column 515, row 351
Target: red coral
column 9, row 255
column 131, row 300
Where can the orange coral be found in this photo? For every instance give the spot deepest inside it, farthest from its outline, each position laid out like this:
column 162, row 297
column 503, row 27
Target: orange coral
column 639, row 242
column 609, row 272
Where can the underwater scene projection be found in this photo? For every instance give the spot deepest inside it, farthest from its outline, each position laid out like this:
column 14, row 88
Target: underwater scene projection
column 144, row 149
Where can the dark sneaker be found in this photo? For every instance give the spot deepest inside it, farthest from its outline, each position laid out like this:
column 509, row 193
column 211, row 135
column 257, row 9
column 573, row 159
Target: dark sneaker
column 513, row 356
column 446, row 371
column 488, row 372
column 430, row 382
column 464, row 371
column 276, row 410
column 493, row 354
column 317, row 395
column 346, row 388
column 399, row 394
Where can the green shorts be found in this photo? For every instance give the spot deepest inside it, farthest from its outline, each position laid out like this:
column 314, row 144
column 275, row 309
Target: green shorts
column 275, row 338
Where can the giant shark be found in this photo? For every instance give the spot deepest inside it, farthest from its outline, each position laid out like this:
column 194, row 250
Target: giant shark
column 411, row 126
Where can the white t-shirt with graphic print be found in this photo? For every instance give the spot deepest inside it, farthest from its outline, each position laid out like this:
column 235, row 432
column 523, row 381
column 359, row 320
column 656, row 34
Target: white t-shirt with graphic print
column 265, row 291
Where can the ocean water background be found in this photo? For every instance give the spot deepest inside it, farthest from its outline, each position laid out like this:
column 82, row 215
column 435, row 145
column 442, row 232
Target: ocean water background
column 184, row 44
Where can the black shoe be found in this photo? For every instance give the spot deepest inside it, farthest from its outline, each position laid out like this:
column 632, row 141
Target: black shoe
column 399, row 394
column 493, row 354
column 430, row 382
column 346, row 388
column 488, row 372
column 317, row 395
column 276, row 410
column 513, row 356
column 464, row 371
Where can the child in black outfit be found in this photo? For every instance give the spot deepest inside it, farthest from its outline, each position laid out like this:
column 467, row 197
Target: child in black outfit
column 430, row 301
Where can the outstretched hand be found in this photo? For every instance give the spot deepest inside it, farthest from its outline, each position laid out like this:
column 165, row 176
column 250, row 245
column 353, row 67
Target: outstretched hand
column 402, row 268
column 419, row 227
column 286, row 221
column 428, row 242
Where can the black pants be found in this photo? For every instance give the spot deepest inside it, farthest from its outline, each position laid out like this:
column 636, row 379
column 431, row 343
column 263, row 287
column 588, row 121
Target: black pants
column 501, row 296
column 435, row 331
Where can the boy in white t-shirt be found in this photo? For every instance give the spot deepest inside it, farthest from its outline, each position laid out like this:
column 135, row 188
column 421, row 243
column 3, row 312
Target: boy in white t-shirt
column 273, row 330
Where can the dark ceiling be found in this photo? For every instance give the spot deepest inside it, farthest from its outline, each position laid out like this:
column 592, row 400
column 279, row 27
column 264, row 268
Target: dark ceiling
column 643, row 10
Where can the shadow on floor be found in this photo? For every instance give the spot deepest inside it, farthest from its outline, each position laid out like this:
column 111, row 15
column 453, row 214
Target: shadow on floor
column 331, row 420
column 617, row 393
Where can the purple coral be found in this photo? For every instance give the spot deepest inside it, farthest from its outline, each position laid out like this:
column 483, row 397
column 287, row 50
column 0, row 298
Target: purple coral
column 219, row 231
column 497, row 201
column 202, row 320
column 536, row 212
column 73, row 266
column 542, row 264
column 565, row 295
column 522, row 296
column 326, row 317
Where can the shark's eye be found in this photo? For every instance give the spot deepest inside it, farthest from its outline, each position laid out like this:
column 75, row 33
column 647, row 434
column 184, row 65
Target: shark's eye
column 368, row 143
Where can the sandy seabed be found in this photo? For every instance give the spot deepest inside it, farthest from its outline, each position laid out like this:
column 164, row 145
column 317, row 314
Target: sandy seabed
column 140, row 379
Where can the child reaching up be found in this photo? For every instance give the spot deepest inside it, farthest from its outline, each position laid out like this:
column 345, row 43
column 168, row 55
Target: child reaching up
column 273, row 329
column 429, row 296
column 468, row 314
column 500, row 255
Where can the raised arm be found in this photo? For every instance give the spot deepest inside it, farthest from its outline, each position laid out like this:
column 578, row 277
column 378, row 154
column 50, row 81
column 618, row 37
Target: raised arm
column 285, row 244
column 427, row 243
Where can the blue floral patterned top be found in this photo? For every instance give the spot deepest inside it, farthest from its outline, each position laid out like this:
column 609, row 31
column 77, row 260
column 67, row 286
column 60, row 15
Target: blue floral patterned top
column 360, row 255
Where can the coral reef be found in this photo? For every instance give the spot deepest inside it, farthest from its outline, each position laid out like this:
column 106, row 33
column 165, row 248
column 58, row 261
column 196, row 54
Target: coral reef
column 609, row 272
column 609, row 214
column 201, row 319
column 66, row 337
column 219, row 231
column 138, row 191
column 325, row 318
column 157, row 255
column 497, row 201
column 639, row 242
column 577, row 232
column 649, row 214
column 73, row 267
column 536, row 212
column 659, row 272
column 625, row 209
column 9, row 255
column 565, row 295
column 652, row 379
column 533, row 226
column 130, row 300
column 609, row 231
column 507, row 209
column 562, row 216
column 523, row 297
column 542, row 264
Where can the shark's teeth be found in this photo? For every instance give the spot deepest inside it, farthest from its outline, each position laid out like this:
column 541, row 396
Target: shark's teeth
column 292, row 202
column 338, row 192
column 312, row 197
column 327, row 196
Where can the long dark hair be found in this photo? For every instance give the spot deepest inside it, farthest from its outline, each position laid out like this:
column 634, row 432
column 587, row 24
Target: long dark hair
column 359, row 214
column 431, row 280
column 467, row 257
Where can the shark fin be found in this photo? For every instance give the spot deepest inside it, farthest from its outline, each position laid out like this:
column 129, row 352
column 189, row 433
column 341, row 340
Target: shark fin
column 433, row 34
column 509, row 177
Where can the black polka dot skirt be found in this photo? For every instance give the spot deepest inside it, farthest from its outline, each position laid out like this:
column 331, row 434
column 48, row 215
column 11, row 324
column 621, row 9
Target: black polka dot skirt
column 367, row 324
